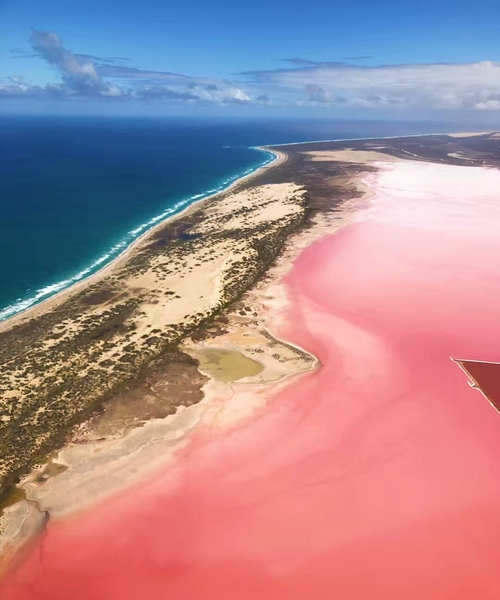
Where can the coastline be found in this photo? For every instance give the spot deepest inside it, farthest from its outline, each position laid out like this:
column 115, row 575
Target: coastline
column 23, row 314
column 267, row 482
column 95, row 468
column 100, row 337
column 53, row 300
column 384, row 137
column 237, row 328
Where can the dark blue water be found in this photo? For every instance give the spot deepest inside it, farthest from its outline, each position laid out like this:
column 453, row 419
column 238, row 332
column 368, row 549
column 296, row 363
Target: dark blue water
column 75, row 192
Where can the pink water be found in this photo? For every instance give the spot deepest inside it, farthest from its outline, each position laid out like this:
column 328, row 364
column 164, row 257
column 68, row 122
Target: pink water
column 376, row 477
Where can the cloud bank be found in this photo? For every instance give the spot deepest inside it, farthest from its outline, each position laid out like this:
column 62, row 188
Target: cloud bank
column 88, row 76
column 473, row 86
column 300, row 83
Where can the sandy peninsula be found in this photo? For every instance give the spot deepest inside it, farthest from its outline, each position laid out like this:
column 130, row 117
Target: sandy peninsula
column 96, row 371
column 63, row 357
column 242, row 373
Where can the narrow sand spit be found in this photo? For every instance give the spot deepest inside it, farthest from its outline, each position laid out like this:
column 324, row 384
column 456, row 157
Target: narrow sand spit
column 376, row 476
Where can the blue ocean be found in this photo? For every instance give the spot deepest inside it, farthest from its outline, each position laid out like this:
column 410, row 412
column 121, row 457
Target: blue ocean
column 75, row 192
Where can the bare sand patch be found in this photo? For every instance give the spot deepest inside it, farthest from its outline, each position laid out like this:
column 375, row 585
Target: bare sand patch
column 351, row 156
column 467, row 134
column 227, row 365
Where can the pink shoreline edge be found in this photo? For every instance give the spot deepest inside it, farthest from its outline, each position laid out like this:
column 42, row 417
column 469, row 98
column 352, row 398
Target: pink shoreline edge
column 377, row 476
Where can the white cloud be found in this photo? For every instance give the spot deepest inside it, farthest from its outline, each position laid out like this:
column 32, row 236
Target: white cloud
column 427, row 86
column 78, row 73
column 91, row 76
column 488, row 105
column 240, row 95
column 413, row 87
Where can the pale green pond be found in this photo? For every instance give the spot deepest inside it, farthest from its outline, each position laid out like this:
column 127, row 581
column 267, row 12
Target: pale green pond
column 227, row 365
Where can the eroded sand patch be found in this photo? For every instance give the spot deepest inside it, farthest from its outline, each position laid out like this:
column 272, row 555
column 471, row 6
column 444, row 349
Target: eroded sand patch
column 227, row 365
column 351, row 156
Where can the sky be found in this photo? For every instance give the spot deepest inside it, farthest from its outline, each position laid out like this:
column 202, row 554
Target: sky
column 357, row 58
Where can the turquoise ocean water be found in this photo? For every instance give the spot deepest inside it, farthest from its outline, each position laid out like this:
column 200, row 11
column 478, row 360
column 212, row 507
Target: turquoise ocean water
column 75, row 192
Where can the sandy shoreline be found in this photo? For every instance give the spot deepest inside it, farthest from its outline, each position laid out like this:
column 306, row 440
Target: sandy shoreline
column 98, row 340
column 98, row 469
column 53, row 301
column 404, row 466
column 97, row 466
column 280, row 157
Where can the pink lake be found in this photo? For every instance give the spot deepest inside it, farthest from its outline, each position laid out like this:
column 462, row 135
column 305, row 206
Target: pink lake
column 375, row 477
